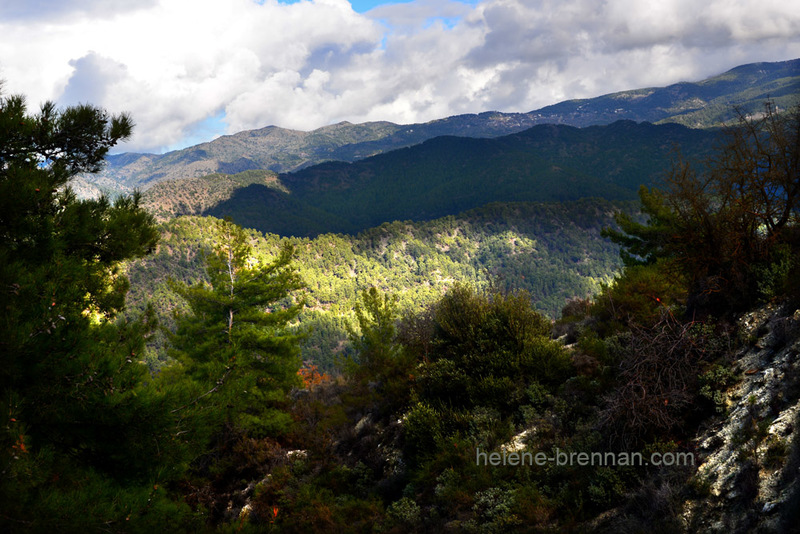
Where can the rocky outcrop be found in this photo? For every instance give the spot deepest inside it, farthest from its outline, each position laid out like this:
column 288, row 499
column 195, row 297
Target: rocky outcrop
column 749, row 461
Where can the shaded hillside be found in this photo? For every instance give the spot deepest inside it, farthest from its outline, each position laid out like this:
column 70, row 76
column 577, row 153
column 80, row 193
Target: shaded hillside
column 703, row 104
column 553, row 250
column 448, row 175
column 190, row 196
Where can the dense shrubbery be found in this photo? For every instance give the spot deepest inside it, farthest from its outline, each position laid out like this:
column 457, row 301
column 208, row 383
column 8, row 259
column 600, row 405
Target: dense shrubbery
column 481, row 369
column 486, row 351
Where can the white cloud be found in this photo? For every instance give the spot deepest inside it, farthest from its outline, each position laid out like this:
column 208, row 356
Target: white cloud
column 175, row 64
column 94, row 77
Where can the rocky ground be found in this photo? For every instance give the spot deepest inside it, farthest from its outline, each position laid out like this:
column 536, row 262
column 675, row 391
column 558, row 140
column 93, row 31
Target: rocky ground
column 749, row 458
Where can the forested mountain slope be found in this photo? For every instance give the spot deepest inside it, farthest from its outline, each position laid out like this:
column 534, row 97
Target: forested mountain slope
column 552, row 250
column 448, row 175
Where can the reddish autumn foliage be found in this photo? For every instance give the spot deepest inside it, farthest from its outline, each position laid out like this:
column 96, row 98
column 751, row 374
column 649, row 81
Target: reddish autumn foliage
column 311, row 376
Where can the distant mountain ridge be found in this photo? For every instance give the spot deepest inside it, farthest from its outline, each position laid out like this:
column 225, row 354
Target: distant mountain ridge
column 443, row 176
column 699, row 105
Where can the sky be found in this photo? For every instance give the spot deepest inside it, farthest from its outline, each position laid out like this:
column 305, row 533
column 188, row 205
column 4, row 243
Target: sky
column 191, row 70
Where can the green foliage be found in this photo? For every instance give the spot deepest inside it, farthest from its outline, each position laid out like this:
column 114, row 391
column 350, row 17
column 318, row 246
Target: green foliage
column 479, row 360
column 486, row 351
column 775, row 276
column 474, row 389
column 493, row 512
column 405, row 513
column 374, row 341
column 423, row 430
column 643, row 243
column 724, row 227
column 714, row 383
column 235, row 347
column 552, row 251
column 86, row 437
column 384, row 368
column 606, row 488
column 639, row 295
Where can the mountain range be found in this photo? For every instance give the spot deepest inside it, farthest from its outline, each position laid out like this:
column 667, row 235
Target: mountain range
column 705, row 104
column 448, row 175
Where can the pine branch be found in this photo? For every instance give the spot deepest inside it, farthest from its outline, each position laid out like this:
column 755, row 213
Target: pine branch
column 209, row 392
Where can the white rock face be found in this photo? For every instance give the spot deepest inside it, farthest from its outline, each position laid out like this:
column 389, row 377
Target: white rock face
column 749, row 458
column 518, row 442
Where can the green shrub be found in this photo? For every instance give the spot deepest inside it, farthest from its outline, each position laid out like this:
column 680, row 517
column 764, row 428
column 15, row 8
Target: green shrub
column 714, row 383
column 485, row 351
column 423, row 430
column 493, row 512
column 773, row 276
column 638, row 296
column 606, row 488
column 405, row 513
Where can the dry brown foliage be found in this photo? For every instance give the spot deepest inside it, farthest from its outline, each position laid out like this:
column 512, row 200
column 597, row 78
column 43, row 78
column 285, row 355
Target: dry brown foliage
column 658, row 380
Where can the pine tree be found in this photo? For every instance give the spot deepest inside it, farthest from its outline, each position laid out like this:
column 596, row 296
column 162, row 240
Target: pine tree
column 724, row 226
column 374, row 340
column 80, row 419
column 383, row 373
column 235, row 346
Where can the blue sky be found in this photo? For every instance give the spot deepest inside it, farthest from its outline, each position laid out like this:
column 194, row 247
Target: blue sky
column 362, row 6
column 365, row 5
column 191, row 70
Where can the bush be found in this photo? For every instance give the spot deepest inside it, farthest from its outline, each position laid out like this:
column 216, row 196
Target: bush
column 405, row 513
column 714, row 383
column 423, row 430
column 658, row 380
column 773, row 277
column 493, row 510
column 638, row 296
column 486, row 351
